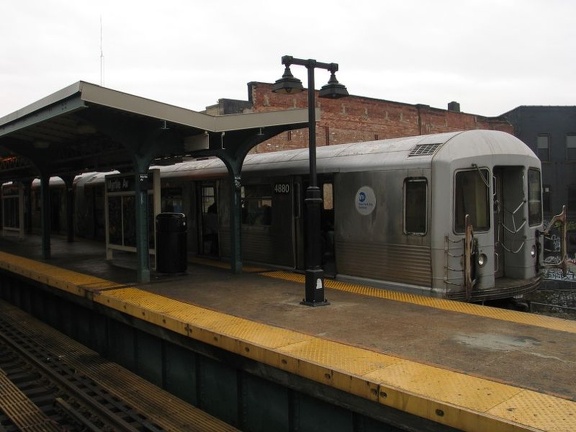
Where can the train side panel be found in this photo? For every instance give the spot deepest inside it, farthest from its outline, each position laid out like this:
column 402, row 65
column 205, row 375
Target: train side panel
column 396, row 217
column 371, row 241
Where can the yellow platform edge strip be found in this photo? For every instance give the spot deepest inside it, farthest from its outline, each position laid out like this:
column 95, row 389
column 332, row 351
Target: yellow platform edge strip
column 474, row 404
column 76, row 283
column 469, row 403
column 551, row 323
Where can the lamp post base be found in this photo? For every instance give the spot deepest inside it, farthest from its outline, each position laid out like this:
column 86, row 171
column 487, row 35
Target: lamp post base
column 315, row 288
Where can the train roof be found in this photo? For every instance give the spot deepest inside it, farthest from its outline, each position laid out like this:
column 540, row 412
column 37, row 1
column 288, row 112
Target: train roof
column 207, row 166
column 416, row 151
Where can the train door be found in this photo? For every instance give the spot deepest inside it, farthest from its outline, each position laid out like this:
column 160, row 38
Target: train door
column 326, row 185
column 55, row 206
column 208, row 217
column 13, row 209
column 497, row 196
column 96, row 194
column 328, row 246
column 298, row 216
column 509, row 218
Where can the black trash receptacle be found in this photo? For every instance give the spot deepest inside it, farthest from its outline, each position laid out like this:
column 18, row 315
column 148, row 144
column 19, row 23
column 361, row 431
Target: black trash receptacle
column 171, row 248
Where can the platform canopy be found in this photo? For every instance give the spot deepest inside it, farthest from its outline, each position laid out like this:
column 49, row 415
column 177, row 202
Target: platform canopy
column 86, row 127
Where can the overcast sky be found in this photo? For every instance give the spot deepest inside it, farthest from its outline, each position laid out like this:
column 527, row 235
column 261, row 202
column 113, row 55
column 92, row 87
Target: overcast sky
column 489, row 55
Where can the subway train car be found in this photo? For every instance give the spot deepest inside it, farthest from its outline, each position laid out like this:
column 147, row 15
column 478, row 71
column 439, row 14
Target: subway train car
column 452, row 215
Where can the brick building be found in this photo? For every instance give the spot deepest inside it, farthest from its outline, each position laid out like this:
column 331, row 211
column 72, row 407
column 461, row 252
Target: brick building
column 355, row 118
column 549, row 131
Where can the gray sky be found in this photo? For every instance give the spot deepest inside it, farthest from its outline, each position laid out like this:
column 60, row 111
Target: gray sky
column 489, row 55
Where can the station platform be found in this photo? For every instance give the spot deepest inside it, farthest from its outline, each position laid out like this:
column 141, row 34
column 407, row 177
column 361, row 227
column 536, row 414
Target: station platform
column 470, row 367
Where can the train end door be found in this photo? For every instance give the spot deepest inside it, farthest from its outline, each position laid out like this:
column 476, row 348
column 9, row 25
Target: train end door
column 517, row 217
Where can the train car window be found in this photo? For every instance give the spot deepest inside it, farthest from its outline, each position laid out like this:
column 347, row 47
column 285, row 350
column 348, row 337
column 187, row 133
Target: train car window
column 415, row 206
column 257, row 205
column 534, row 197
column 472, row 198
column 11, row 207
column 171, row 200
column 328, row 196
column 208, row 198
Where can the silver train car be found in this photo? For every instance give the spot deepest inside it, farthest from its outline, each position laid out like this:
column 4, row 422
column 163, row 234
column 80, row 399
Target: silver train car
column 452, row 215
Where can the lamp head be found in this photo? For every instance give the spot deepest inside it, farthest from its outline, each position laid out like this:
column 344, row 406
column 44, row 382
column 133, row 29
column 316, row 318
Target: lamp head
column 287, row 84
column 333, row 90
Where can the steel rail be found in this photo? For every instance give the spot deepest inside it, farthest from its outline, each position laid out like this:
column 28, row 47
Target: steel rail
column 66, row 377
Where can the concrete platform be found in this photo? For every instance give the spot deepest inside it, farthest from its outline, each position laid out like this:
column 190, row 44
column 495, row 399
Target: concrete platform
column 466, row 366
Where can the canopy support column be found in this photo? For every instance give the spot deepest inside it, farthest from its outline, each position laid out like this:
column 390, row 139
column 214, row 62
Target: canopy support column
column 236, row 224
column 69, row 182
column 46, row 221
column 141, row 186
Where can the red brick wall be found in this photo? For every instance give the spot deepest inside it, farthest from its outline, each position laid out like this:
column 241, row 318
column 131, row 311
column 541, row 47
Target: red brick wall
column 356, row 118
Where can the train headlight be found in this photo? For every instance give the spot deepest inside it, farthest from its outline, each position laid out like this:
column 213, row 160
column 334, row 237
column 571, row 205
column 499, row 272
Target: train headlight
column 482, row 259
column 533, row 252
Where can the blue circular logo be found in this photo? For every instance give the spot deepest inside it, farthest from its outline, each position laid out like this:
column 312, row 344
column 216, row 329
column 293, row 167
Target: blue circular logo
column 365, row 200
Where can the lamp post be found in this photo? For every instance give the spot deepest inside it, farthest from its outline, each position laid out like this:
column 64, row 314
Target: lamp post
column 314, row 288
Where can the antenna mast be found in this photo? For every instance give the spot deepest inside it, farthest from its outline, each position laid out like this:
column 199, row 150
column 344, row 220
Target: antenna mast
column 101, row 55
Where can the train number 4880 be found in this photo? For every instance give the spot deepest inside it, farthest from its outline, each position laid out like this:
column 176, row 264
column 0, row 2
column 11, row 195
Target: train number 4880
column 282, row 188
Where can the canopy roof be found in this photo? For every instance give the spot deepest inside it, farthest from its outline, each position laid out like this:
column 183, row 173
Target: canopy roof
column 86, row 127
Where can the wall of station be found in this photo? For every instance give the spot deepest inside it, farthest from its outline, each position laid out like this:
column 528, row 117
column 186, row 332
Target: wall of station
column 245, row 393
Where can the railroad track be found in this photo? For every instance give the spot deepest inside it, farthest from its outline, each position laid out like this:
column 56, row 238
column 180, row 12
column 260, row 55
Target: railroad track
column 50, row 383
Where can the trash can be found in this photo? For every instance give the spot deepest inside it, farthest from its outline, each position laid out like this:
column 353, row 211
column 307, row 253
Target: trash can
column 171, row 247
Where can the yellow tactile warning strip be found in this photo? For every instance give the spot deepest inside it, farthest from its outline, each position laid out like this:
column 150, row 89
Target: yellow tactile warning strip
column 461, row 401
column 448, row 305
column 67, row 280
column 213, row 262
column 465, row 402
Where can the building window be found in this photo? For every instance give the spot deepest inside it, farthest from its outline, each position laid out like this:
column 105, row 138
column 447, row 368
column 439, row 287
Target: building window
column 472, row 199
column 415, row 206
column 571, row 147
column 543, row 144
